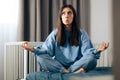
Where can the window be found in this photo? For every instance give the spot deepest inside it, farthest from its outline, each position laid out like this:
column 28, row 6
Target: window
column 8, row 27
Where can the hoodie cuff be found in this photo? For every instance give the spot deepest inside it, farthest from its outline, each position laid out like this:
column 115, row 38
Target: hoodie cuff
column 97, row 53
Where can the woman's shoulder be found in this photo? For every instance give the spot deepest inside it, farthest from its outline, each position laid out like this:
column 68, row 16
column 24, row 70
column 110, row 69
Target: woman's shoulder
column 84, row 34
column 82, row 31
column 52, row 35
column 54, row 32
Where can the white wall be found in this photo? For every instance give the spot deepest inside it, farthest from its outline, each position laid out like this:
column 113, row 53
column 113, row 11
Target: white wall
column 101, row 25
column 101, row 21
column 8, row 27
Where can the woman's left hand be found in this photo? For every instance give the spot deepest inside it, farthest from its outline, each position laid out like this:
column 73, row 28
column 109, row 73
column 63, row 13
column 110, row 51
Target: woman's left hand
column 103, row 46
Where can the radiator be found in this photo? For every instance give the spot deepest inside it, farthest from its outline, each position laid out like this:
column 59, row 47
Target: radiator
column 19, row 62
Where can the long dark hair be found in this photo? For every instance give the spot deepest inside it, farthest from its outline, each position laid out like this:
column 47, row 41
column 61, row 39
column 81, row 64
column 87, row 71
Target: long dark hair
column 74, row 33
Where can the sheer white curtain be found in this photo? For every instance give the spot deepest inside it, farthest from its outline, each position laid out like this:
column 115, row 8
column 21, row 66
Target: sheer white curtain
column 8, row 27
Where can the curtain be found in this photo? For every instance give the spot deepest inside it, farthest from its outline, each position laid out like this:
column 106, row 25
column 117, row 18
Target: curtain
column 37, row 18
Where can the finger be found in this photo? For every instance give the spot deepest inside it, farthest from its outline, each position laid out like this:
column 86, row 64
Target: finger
column 103, row 44
column 107, row 45
column 24, row 44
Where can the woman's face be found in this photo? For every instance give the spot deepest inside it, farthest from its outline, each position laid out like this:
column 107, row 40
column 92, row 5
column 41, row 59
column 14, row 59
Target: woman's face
column 67, row 16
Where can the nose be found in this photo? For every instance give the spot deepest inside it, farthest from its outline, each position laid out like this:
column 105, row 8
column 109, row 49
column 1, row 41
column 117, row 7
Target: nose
column 66, row 15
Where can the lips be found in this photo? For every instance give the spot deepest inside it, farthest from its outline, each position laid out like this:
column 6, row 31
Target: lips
column 67, row 21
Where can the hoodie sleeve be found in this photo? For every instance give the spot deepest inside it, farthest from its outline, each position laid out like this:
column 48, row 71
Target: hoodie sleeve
column 87, row 46
column 48, row 45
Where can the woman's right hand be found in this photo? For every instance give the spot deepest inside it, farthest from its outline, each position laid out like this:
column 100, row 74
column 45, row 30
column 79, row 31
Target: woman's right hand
column 26, row 46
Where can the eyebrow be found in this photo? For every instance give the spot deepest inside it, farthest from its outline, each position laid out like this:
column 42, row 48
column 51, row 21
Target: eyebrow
column 67, row 11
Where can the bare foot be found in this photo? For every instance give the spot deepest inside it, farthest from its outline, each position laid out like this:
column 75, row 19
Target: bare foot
column 65, row 71
column 79, row 71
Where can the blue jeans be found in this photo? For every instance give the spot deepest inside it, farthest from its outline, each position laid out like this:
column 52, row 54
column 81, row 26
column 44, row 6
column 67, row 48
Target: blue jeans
column 47, row 63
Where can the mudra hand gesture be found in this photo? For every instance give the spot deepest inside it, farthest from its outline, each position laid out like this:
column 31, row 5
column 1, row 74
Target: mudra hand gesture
column 26, row 46
column 103, row 46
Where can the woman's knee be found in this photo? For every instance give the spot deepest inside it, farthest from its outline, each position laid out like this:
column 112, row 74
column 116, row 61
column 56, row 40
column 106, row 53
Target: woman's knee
column 91, row 63
column 40, row 60
column 43, row 58
column 91, row 58
column 43, row 61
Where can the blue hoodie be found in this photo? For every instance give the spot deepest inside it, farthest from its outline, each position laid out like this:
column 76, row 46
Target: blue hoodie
column 67, row 54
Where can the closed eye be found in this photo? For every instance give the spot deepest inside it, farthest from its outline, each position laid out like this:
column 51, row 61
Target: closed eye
column 69, row 12
column 63, row 13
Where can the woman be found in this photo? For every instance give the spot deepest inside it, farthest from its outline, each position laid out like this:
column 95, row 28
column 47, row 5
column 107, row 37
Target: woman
column 68, row 48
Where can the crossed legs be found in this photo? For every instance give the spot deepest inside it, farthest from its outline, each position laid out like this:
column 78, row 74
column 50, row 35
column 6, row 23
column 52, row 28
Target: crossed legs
column 85, row 64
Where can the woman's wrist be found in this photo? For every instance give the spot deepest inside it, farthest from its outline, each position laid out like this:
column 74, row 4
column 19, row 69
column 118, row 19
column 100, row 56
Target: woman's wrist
column 99, row 51
column 32, row 49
